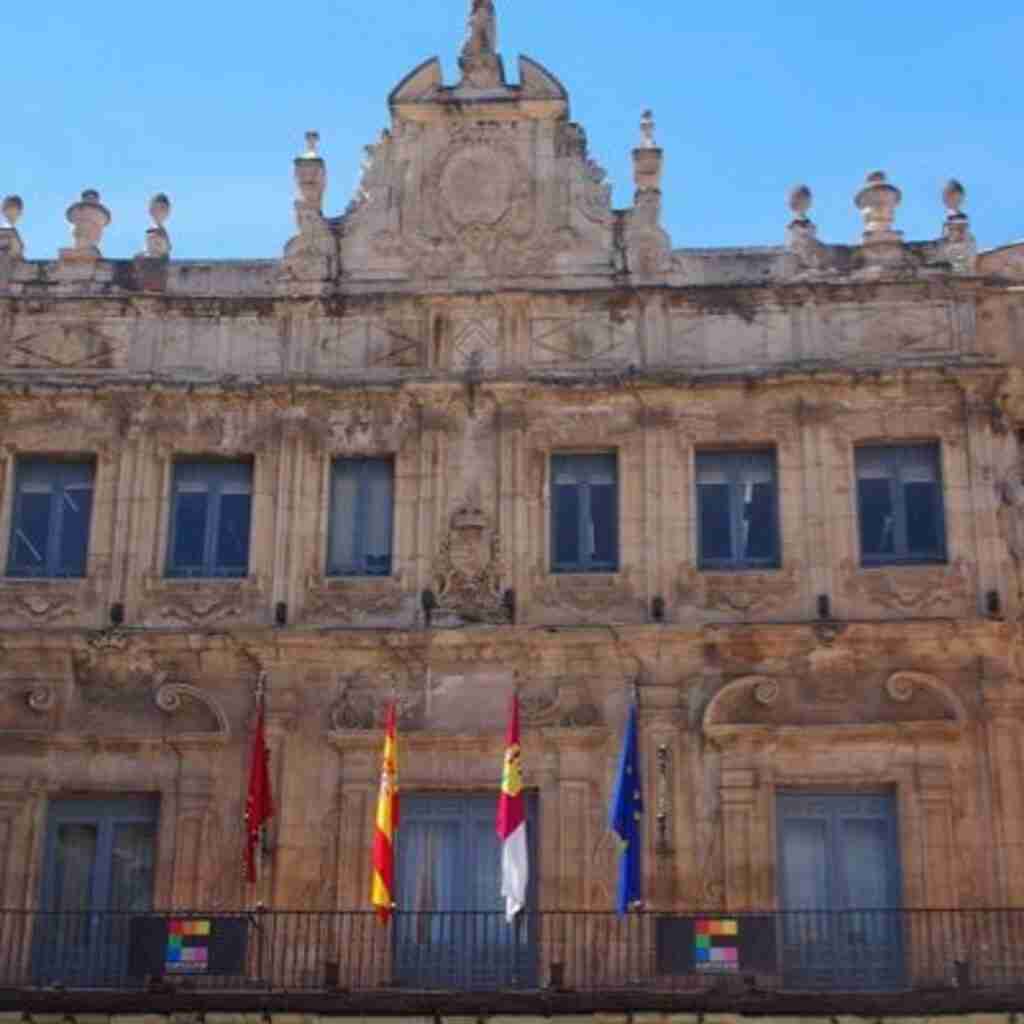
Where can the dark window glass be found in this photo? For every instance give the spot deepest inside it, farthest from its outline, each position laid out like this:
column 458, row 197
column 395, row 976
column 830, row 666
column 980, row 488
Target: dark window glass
column 362, row 501
column 52, row 514
column 737, row 510
column 211, row 513
column 899, row 496
column 584, row 513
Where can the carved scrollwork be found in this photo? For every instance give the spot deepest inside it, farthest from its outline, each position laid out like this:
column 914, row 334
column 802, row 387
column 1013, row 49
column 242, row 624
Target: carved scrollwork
column 766, row 692
column 41, row 698
column 171, row 699
column 924, row 590
column 360, row 701
column 568, row 707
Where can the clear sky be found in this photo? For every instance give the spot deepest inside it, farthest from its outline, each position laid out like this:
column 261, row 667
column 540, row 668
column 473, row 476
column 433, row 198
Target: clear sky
column 209, row 101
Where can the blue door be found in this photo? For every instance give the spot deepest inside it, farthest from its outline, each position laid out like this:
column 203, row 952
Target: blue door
column 98, row 867
column 839, row 890
column 450, row 927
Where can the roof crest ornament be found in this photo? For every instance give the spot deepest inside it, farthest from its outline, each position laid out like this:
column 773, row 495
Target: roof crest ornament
column 478, row 59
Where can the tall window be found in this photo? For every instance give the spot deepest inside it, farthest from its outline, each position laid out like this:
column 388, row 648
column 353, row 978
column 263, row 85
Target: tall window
column 584, row 513
column 362, row 500
column 737, row 510
column 50, row 524
column 211, row 511
column 899, row 496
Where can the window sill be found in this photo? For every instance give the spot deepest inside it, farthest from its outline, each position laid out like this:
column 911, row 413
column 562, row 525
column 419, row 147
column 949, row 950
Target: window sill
column 740, row 570
column 585, row 573
column 906, row 563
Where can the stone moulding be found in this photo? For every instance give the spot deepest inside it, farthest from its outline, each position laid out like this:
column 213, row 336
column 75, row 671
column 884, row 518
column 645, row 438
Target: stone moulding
column 170, row 699
column 727, row 724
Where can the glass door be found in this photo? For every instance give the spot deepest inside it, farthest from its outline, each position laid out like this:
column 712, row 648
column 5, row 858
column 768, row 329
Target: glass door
column 450, row 927
column 98, row 871
column 839, row 884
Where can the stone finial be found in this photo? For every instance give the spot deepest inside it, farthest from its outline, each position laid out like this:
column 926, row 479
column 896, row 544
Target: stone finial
column 800, row 200
column 953, row 196
column 312, row 151
column 958, row 244
column 647, row 131
column 877, row 202
column 12, row 209
column 310, row 181
column 158, row 241
column 481, row 30
column 88, row 218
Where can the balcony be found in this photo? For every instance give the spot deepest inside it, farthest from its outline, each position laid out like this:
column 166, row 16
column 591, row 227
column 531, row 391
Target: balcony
column 576, row 960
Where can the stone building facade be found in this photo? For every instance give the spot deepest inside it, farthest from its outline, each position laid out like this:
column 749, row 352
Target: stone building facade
column 480, row 433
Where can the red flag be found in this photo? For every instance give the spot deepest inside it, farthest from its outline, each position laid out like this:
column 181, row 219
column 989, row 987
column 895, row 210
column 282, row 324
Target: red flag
column 511, row 821
column 259, row 803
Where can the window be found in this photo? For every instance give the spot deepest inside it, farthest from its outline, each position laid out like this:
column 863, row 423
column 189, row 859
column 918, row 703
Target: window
column 584, row 513
column 737, row 510
column 98, row 855
column 211, row 508
column 899, row 495
column 50, row 522
column 839, row 884
column 359, row 541
column 451, row 931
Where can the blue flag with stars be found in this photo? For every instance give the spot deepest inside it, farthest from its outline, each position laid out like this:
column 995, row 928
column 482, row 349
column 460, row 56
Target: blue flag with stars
column 626, row 816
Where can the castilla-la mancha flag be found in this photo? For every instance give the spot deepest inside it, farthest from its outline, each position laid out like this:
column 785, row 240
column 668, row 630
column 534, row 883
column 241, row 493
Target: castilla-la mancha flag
column 511, row 823
column 382, row 894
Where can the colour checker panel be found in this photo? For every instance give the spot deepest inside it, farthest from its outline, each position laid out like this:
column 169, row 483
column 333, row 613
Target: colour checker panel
column 716, row 944
column 188, row 946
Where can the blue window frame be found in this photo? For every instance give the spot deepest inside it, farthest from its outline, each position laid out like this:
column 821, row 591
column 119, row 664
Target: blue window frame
column 737, row 510
column 899, row 497
column 51, row 517
column 584, row 513
column 361, row 513
column 211, row 512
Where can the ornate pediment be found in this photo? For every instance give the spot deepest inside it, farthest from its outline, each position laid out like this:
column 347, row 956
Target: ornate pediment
column 758, row 709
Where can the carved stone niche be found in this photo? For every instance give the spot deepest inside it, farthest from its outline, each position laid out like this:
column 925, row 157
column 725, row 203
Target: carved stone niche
column 468, row 570
column 753, row 710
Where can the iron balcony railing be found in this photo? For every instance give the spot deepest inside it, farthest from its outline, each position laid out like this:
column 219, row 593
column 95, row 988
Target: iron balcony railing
column 467, row 952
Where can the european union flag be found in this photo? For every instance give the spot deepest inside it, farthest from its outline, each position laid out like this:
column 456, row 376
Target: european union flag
column 626, row 816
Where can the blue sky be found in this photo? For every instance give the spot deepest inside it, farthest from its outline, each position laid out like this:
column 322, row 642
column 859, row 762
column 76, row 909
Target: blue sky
column 209, row 101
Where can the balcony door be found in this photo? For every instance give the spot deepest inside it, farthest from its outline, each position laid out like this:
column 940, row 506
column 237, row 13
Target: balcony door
column 98, row 870
column 839, row 888
column 450, row 928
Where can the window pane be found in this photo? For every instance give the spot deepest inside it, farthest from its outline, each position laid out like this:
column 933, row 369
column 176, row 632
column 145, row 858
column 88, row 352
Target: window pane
column 864, row 845
column 190, row 512
column 924, row 533
column 74, row 865
column 566, row 503
column 715, row 536
column 30, row 534
column 131, row 867
column 378, row 476
column 233, row 534
column 73, row 539
column 603, row 548
column 758, row 513
column 344, row 498
column 805, row 884
column 877, row 522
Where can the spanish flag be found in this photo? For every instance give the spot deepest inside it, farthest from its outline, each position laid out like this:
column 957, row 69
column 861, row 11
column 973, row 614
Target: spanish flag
column 511, row 822
column 382, row 894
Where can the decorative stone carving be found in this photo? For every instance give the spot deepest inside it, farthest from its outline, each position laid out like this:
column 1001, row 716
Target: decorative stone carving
column 203, row 602
column 468, row 571
column 585, row 595
column 802, row 234
column 158, row 241
column 480, row 64
column 171, row 698
column 362, row 697
column 11, row 246
column 569, row 706
column 312, row 254
column 877, row 202
column 737, row 593
column 353, row 601
column 42, row 698
column 958, row 244
column 923, row 590
column 88, row 218
column 46, row 603
column 1010, row 494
